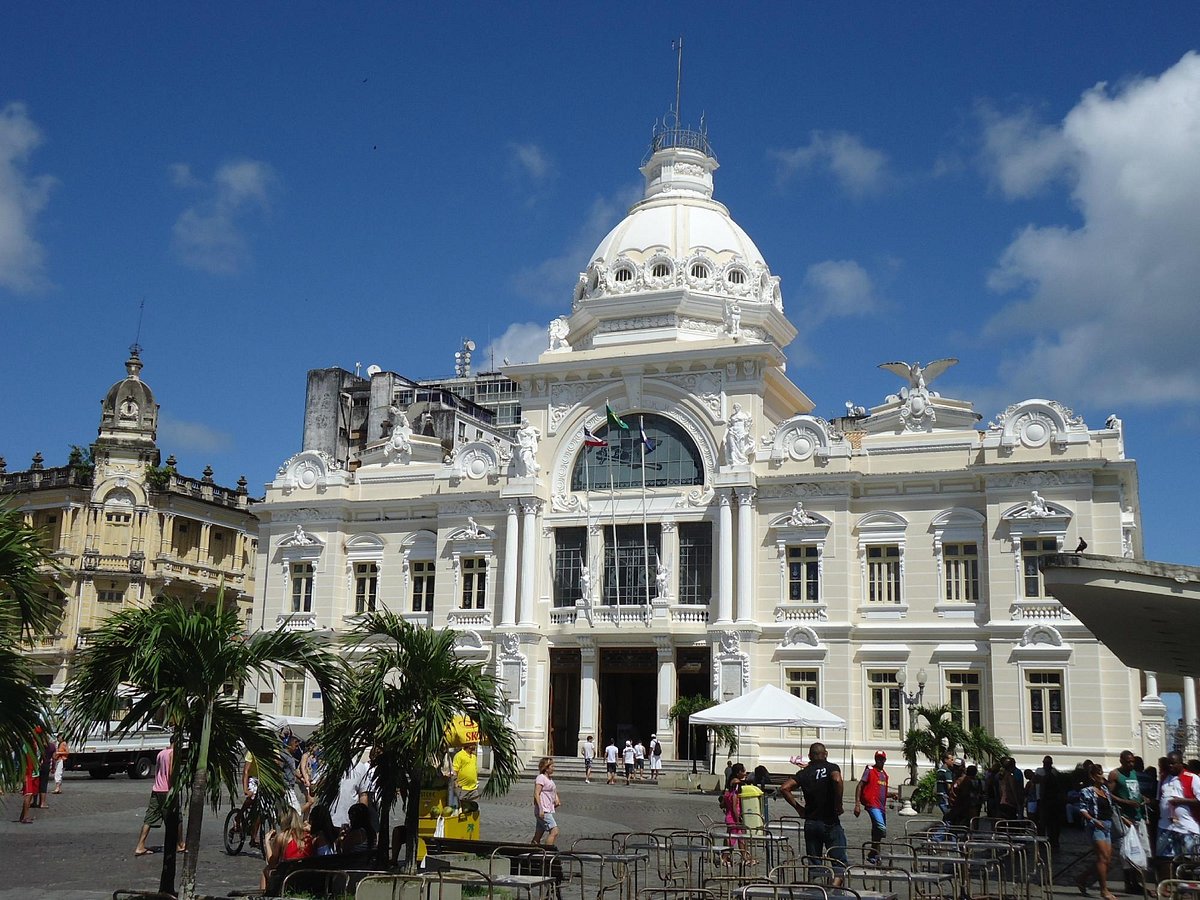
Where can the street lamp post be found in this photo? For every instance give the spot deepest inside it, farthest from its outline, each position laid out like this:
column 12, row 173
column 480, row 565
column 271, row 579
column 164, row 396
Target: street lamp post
column 912, row 699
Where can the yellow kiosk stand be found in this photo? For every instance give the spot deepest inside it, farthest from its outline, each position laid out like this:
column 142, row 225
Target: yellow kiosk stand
column 435, row 808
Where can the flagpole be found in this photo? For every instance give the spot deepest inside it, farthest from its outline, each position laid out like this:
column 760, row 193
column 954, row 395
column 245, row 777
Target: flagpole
column 645, row 529
column 612, row 505
column 587, row 505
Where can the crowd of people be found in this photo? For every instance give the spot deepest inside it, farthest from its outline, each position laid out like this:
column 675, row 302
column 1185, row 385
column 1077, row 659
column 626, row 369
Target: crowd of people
column 1154, row 808
column 633, row 757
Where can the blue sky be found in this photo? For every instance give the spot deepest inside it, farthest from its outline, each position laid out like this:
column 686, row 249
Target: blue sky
column 300, row 185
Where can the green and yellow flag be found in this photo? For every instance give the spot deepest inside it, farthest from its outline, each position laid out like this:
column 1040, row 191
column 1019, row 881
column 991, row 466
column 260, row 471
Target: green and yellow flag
column 614, row 421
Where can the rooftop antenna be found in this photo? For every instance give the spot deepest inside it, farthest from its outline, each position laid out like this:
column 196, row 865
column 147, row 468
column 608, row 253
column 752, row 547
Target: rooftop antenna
column 677, row 45
column 136, row 348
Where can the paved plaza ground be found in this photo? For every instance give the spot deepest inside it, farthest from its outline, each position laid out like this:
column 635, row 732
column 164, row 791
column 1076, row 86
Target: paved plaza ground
column 81, row 848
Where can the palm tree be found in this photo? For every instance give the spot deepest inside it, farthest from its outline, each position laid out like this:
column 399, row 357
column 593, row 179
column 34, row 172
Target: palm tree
column 405, row 687
column 942, row 733
column 685, row 707
column 26, row 609
column 187, row 667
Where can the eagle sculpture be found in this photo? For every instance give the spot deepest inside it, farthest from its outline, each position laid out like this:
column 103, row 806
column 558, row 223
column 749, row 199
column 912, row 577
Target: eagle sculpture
column 917, row 375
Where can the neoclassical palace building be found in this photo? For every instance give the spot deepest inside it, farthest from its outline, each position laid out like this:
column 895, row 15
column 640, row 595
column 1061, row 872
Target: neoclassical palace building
column 124, row 528
column 671, row 519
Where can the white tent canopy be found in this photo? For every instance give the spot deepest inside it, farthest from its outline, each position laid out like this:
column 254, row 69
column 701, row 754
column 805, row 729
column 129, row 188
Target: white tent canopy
column 768, row 705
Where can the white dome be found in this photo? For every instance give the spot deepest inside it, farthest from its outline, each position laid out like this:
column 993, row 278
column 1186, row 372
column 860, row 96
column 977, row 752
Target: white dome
column 678, row 227
column 678, row 217
column 678, row 236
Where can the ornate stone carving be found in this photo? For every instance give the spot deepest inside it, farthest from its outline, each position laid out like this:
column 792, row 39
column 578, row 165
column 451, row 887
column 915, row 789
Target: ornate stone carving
column 799, row 636
column 299, row 538
column 739, row 443
column 1036, row 507
column 729, row 651
column 1035, row 423
column 802, row 437
column 564, row 398
column 309, row 469
column 475, row 460
column 801, row 516
column 510, row 652
column 399, row 444
column 558, row 331
column 804, row 489
column 733, row 318
column 1039, row 479
column 1041, row 634
column 705, row 387
column 528, row 438
column 305, row 514
column 697, row 496
column 569, row 503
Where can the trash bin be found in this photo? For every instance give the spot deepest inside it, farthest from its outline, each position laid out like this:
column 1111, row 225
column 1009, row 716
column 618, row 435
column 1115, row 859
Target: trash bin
column 753, row 809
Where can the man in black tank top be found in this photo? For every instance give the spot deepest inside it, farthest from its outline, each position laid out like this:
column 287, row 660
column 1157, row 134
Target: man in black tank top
column 821, row 784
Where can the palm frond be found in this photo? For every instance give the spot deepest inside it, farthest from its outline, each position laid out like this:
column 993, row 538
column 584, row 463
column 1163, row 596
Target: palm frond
column 25, row 604
column 22, row 709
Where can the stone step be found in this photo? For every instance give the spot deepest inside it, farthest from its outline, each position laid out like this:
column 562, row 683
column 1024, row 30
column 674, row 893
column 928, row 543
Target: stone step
column 570, row 768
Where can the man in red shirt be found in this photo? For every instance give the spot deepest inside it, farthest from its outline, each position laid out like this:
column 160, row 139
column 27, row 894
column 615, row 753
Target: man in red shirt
column 873, row 794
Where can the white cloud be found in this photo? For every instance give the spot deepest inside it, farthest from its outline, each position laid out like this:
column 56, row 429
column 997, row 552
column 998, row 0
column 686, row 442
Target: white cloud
column 522, row 342
column 552, row 281
column 860, row 169
column 1110, row 307
column 178, row 435
column 835, row 288
column 210, row 234
column 533, row 161
column 1020, row 154
column 22, row 198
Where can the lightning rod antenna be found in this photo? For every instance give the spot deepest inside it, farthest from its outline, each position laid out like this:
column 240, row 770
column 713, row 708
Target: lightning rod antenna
column 136, row 347
column 678, row 80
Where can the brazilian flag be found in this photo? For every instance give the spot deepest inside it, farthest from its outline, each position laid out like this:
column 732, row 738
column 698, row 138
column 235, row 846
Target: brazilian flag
column 614, row 421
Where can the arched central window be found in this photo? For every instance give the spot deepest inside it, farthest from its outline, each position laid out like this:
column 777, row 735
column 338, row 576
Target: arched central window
column 670, row 459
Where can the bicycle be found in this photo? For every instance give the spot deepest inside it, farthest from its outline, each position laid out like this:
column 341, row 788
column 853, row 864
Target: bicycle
column 234, row 834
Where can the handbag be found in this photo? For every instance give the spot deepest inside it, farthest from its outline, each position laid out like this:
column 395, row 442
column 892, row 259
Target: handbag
column 1132, row 852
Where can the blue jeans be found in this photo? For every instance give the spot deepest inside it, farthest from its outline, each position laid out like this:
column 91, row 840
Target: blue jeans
column 821, row 836
column 878, row 823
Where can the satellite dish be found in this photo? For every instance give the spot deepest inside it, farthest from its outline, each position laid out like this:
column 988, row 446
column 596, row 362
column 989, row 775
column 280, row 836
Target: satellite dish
column 373, row 370
column 470, row 345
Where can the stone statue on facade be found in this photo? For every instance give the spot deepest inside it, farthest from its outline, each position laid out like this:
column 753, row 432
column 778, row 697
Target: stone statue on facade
column 1037, row 506
column 801, row 516
column 558, row 331
column 585, row 584
column 528, row 438
column 473, row 529
column 399, row 443
column 739, row 445
column 733, row 319
column 662, row 578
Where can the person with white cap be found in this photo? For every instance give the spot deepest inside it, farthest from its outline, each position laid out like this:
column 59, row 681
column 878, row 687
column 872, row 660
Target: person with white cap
column 873, row 793
column 655, row 757
column 628, row 755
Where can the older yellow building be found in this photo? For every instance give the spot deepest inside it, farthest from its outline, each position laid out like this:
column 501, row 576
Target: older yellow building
column 125, row 530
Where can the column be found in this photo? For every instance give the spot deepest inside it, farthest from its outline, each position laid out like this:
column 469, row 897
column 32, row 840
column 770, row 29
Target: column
column 589, row 692
column 508, row 602
column 666, row 686
column 1151, row 686
column 724, row 559
column 528, row 561
column 745, row 554
column 1189, row 702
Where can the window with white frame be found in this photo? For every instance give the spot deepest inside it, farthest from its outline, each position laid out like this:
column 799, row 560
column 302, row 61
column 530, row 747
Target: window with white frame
column 965, row 693
column 422, row 575
column 804, row 574
column 805, row 684
column 960, row 567
column 881, row 543
column 474, row 582
column 886, row 705
column 302, row 586
column 883, row 573
column 366, row 586
column 291, row 694
column 1033, row 550
column 1047, row 712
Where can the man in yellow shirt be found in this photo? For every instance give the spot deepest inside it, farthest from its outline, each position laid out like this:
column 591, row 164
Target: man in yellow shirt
column 464, row 778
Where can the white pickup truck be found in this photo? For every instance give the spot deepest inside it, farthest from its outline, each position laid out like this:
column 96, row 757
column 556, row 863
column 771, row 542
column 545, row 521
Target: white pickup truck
column 105, row 752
